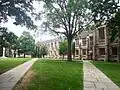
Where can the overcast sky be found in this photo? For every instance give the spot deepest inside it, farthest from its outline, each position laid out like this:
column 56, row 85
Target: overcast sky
column 18, row 29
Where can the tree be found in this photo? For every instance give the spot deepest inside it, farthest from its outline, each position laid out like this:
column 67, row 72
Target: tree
column 43, row 51
column 103, row 12
column 13, row 42
column 19, row 10
column 63, row 48
column 3, row 38
column 66, row 17
column 27, row 43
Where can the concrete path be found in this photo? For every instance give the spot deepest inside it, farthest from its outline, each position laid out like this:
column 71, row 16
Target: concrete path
column 9, row 79
column 94, row 79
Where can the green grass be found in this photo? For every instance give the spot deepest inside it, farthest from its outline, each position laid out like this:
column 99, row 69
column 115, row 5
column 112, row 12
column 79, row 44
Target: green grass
column 112, row 70
column 9, row 63
column 57, row 75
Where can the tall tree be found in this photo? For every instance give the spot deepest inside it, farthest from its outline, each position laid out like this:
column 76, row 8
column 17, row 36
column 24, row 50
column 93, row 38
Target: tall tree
column 19, row 10
column 3, row 36
column 13, row 42
column 66, row 17
column 103, row 12
column 63, row 48
column 27, row 43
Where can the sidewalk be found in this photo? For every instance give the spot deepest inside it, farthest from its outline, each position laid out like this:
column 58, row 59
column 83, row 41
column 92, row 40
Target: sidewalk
column 9, row 79
column 94, row 79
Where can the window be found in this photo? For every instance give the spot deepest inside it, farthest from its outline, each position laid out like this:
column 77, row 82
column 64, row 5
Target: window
column 84, row 51
column 91, row 40
column 51, row 45
column 77, row 42
column 114, row 50
column 84, row 41
column 101, row 33
column 91, row 48
column 55, row 44
column 77, row 52
column 102, row 51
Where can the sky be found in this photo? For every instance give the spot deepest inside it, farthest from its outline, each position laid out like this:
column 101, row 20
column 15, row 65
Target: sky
column 18, row 29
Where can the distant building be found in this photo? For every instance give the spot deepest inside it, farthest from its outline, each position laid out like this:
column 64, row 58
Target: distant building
column 53, row 47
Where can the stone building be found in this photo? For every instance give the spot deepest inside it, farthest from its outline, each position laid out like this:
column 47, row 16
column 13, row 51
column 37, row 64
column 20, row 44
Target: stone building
column 94, row 45
column 53, row 47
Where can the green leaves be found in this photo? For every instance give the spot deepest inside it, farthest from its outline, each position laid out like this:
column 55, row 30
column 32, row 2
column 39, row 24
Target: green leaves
column 114, row 25
column 17, row 9
column 43, row 50
column 70, row 15
column 103, row 9
column 63, row 48
column 7, row 38
column 103, row 12
column 27, row 43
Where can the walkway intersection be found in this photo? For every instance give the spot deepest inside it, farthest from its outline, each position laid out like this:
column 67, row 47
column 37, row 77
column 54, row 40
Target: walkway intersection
column 94, row 79
column 9, row 79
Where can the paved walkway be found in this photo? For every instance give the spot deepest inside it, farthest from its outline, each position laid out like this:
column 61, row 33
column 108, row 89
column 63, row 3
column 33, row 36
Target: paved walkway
column 94, row 79
column 9, row 79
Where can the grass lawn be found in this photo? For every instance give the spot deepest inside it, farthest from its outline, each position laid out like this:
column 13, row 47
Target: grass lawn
column 57, row 75
column 112, row 70
column 9, row 63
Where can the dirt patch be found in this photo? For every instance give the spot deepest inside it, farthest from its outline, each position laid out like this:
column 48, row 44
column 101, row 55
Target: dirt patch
column 23, row 83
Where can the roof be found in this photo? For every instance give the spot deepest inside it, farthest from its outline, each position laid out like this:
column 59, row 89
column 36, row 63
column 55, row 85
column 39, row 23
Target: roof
column 50, row 41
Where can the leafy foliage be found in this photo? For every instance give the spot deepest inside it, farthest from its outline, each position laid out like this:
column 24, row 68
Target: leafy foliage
column 43, row 50
column 103, row 10
column 3, row 37
column 18, row 10
column 114, row 25
column 107, row 11
column 63, row 48
column 66, row 17
column 27, row 43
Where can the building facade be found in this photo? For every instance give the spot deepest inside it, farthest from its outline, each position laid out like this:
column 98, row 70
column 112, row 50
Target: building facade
column 96, row 45
column 53, row 47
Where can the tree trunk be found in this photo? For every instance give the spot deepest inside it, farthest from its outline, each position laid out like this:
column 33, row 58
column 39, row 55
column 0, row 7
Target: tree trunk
column 63, row 57
column 119, row 46
column 69, row 54
column 43, row 56
column 14, row 53
column 24, row 55
column 18, row 53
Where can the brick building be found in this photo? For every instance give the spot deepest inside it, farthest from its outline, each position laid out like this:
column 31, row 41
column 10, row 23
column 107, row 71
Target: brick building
column 94, row 45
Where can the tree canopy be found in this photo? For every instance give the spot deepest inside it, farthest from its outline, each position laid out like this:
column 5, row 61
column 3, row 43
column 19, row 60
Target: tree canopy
column 66, row 17
column 27, row 43
column 43, row 50
column 19, row 10
column 63, row 48
column 103, row 10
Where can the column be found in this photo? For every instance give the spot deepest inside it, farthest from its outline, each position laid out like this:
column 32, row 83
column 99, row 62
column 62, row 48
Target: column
column 3, row 52
column 94, row 45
